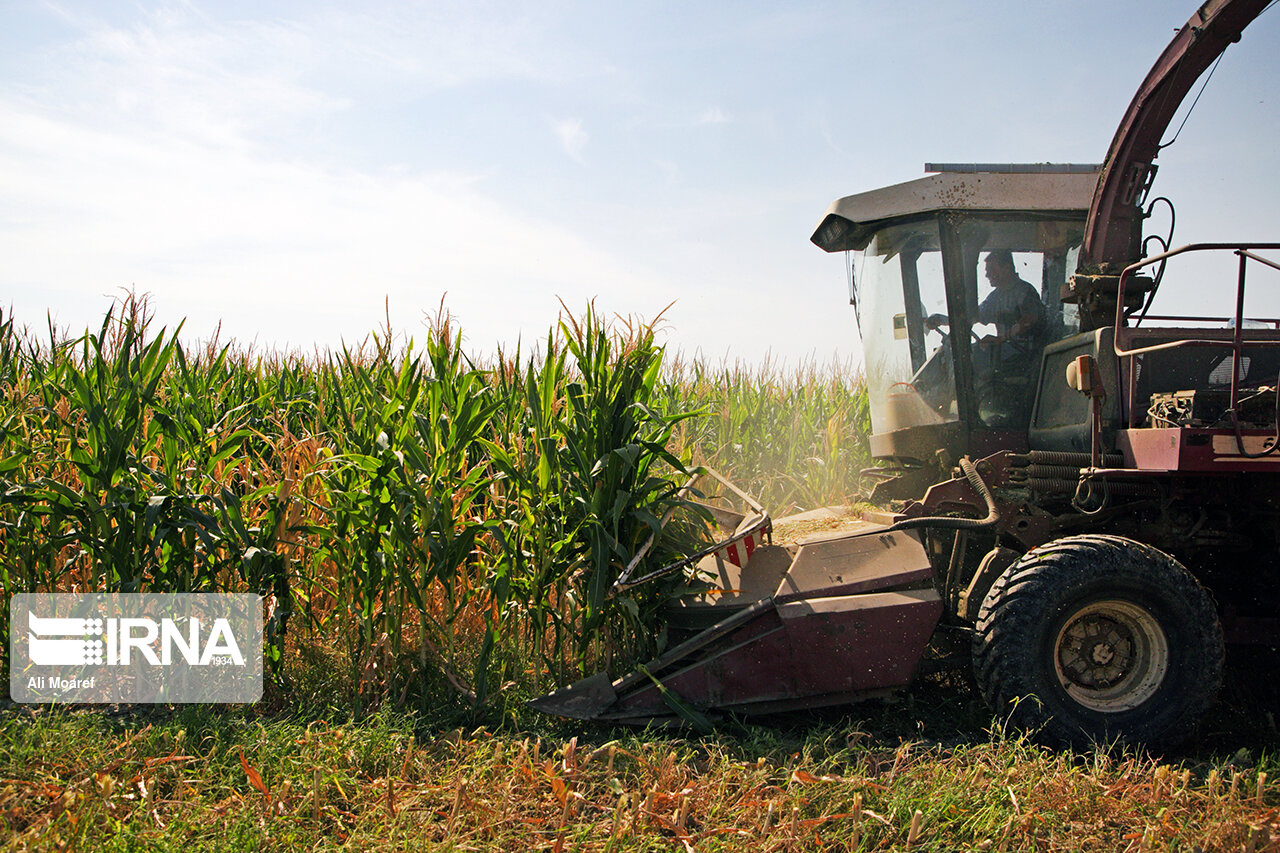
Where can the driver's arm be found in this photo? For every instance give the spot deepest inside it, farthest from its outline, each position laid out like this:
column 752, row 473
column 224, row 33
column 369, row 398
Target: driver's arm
column 1030, row 319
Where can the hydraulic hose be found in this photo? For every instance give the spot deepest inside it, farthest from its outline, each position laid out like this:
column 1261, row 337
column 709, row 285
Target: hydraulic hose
column 947, row 522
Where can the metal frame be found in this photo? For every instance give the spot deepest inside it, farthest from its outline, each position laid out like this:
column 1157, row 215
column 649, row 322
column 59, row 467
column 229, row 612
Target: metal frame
column 1123, row 335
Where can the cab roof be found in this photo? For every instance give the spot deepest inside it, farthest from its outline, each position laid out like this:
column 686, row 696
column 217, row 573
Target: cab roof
column 1006, row 188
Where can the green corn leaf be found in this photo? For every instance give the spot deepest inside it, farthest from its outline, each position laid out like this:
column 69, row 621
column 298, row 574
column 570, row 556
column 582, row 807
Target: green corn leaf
column 686, row 712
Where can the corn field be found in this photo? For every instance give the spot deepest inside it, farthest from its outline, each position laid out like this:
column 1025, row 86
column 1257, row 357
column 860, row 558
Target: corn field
column 430, row 521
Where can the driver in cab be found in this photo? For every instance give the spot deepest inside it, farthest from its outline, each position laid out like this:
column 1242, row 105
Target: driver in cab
column 1005, row 363
column 1013, row 307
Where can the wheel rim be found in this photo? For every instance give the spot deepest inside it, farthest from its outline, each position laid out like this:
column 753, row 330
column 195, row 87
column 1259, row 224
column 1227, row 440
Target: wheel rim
column 1111, row 656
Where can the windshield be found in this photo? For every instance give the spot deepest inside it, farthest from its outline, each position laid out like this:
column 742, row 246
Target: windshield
column 899, row 284
column 984, row 315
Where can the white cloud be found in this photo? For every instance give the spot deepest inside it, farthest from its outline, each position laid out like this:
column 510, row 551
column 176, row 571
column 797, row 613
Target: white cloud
column 440, row 44
column 281, row 251
column 239, row 80
column 571, row 135
column 175, row 154
column 714, row 115
column 220, row 83
column 150, row 155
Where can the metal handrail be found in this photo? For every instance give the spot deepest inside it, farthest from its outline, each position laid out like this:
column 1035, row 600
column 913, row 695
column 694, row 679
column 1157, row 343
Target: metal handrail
column 1236, row 344
column 1272, row 322
column 1241, row 249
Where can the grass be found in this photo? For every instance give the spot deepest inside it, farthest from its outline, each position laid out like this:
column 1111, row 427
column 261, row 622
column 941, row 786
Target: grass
column 300, row 772
column 915, row 773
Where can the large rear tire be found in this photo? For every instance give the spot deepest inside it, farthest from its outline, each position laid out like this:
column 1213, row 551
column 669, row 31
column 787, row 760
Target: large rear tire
column 1097, row 639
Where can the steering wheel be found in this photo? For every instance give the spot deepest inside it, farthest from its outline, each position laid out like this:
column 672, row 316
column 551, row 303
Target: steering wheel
column 944, row 335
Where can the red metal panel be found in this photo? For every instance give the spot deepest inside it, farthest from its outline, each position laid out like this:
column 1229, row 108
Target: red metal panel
column 804, row 649
column 753, row 662
column 1195, row 450
column 859, row 642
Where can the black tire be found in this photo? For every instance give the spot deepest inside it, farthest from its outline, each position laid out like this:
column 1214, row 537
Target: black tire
column 1095, row 639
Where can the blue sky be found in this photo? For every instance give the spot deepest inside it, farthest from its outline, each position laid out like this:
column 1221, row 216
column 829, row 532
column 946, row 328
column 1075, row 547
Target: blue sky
column 285, row 168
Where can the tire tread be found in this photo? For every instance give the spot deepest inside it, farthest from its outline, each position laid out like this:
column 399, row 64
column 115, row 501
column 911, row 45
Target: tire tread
column 1017, row 603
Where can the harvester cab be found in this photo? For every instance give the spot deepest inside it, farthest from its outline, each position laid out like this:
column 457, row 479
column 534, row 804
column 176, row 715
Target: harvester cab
column 956, row 280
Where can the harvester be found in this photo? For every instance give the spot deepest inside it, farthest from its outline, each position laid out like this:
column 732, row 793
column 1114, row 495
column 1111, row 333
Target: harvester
column 1088, row 491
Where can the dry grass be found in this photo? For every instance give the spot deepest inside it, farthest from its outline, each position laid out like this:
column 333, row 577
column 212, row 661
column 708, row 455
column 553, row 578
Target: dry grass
column 204, row 779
